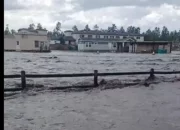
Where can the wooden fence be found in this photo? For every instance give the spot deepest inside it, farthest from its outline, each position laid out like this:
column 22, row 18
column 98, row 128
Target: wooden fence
column 23, row 76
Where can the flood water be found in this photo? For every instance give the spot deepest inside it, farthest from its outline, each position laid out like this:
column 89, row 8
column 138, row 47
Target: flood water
column 156, row 107
column 78, row 62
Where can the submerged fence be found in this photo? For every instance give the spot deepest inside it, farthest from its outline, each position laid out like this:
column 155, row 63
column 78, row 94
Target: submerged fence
column 23, row 77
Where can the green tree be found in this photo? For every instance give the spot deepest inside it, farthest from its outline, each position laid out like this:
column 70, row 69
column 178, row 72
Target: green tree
column 74, row 28
column 114, row 27
column 58, row 27
column 96, row 27
column 137, row 30
column 31, row 26
column 6, row 32
column 165, row 34
column 39, row 26
column 13, row 31
column 122, row 30
column 87, row 28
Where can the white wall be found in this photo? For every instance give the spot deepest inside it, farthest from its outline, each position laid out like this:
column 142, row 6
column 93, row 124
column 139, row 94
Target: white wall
column 76, row 37
column 96, row 47
column 42, row 32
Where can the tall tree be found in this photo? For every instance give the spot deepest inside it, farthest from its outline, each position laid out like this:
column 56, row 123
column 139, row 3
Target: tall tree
column 114, row 27
column 58, row 27
column 96, row 27
column 6, row 32
column 31, row 26
column 13, row 31
column 87, row 28
column 165, row 33
column 130, row 29
column 39, row 26
column 122, row 30
column 137, row 30
column 74, row 28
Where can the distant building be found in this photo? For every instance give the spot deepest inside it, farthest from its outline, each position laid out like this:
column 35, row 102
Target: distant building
column 116, row 41
column 27, row 40
column 69, row 39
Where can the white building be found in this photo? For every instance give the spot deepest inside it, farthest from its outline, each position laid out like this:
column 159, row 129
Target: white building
column 27, row 40
column 106, row 41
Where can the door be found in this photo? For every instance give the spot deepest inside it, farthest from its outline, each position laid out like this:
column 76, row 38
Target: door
column 18, row 46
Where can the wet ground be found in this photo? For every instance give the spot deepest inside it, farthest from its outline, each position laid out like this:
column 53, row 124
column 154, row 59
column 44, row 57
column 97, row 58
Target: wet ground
column 154, row 107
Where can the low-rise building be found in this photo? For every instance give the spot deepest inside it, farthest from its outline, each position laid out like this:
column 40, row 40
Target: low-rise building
column 116, row 41
column 27, row 40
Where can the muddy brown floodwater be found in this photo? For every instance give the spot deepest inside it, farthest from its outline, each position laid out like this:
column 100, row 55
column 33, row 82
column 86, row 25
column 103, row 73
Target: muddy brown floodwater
column 137, row 107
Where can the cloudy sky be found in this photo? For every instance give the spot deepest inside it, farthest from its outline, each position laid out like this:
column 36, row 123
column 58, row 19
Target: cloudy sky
column 143, row 13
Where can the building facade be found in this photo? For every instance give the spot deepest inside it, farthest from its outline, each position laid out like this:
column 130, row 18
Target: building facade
column 27, row 40
column 117, row 42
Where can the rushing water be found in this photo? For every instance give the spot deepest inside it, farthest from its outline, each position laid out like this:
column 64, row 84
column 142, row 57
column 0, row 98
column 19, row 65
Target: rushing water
column 152, row 108
column 79, row 62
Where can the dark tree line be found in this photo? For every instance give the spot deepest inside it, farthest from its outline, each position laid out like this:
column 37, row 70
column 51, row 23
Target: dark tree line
column 156, row 34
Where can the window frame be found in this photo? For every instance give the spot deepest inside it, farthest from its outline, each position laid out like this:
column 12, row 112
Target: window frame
column 36, row 44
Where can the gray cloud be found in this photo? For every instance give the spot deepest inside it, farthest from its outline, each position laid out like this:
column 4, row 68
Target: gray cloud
column 93, row 4
column 12, row 5
column 143, row 13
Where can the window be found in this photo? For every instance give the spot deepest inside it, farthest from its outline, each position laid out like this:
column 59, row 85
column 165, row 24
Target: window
column 89, row 36
column 17, row 42
column 36, row 43
column 114, row 44
column 106, row 37
column 117, row 37
column 86, row 44
column 137, row 37
column 89, row 44
column 82, row 36
column 97, row 36
column 112, row 37
column 124, row 37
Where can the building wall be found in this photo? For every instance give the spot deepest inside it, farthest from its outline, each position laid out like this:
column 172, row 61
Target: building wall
column 149, row 47
column 9, row 42
column 97, row 47
column 76, row 37
column 54, row 41
column 94, row 47
column 68, row 33
column 144, row 47
column 27, row 42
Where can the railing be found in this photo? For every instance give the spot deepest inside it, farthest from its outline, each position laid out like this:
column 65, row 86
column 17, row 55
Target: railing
column 23, row 77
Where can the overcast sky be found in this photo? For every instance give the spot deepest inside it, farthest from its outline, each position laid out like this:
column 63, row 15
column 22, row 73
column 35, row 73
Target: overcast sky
column 143, row 13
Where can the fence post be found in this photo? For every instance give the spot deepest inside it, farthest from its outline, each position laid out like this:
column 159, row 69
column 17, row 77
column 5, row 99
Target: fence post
column 23, row 79
column 95, row 78
column 151, row 74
